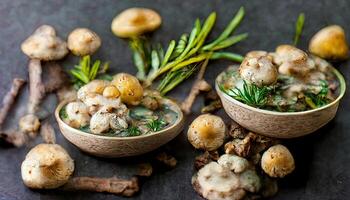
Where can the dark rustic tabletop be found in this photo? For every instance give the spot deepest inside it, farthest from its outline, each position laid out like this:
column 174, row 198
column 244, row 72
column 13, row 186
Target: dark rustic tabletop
column 322, row 158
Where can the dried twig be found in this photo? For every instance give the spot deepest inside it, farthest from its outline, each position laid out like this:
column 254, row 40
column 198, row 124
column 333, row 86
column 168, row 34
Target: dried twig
column 212, row 106
column 199, row 85
column 36, row 87
column 111, row 185
column 48, row 133
column 9, row 99
column 166, row 159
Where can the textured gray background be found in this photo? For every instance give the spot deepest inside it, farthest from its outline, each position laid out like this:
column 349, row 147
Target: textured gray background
column 322, row 159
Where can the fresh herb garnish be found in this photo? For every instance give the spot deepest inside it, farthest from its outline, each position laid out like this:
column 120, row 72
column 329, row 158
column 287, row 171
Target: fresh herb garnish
column 181, row 57
column 156, row 125
column 250, row 94
column 320, row 99
column 299, row 28
column 87, row 71
column 133, row 131
column 63, row 113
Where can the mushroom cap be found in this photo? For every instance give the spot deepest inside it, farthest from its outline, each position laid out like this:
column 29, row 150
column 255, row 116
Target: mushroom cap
column 207, row 132
column 83, row 41
column 47, row 166
column 131, row 91
column 93, row 87
column 216, row 182
column 44, row 45
column 100, row 121
column 135, row 21
column 330, row 43
column 277, row 161
column 235, row 163
column 111, row 92
column 29, row 123
column 78, row 114
column 258, row 70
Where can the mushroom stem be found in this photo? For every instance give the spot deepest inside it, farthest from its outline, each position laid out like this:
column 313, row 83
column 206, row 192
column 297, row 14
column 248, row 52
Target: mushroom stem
column 36, row 87
column 48, row 133
column 199, row 85
column 9, row 99
column 13, row 138
column 56, row 78
column 111, row 185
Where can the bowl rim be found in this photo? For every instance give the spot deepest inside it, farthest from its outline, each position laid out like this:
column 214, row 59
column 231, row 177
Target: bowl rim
column 171, row 102
column 342, row 84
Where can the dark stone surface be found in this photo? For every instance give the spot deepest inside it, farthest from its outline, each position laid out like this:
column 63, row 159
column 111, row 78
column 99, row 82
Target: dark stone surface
column 322, row 159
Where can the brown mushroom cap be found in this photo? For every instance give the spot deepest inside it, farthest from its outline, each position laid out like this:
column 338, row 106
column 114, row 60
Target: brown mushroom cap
column 277, row 161
column 135, row 21
column 131, row 91
column 330, row 43
column 207, row 132
column 44, row 45
column 47, row 166
column 83, row 41
column 29, row 123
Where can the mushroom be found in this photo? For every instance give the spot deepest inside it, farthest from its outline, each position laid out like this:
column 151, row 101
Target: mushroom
column 100, row 121
column 93, row 87
column 150, row 102
column 111, row 92
column 83, row 41
column 118, row 123
column 133, row 22
column 277, row 161
column 292, row 61
column 207, row 132
column 258, row 69
column 77, row 114
column 131, row 91
column 330, row 43
column 47, row 166
column 235, row 163
column 44, row 45
column 29, row 124
column 250, row 181
column 215, row 182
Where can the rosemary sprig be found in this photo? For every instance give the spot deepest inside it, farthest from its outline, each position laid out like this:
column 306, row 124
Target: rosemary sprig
column 299, row 28
column 87, row 71
column 250, row 94
column 156, row 125
column 133, row 131
column 181, row 56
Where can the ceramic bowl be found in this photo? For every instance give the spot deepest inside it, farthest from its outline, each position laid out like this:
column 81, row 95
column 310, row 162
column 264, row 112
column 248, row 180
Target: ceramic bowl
column 280, row 124
column 112, row 147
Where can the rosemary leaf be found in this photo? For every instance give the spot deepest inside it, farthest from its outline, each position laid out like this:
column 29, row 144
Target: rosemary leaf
column 230, row 41
column 299, row 28
column 189, row 61
column 155, row 60
column 227, row 55
column 180, row 47
column 169, row 52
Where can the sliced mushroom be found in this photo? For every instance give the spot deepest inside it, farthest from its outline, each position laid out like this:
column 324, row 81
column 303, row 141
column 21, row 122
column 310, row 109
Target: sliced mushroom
column 44, row 45
column 135, row 21
column 47, row 166
column 83, row 41
column 330, row 43
column 258, row 70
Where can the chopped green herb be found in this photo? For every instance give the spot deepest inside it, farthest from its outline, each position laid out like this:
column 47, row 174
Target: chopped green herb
column 156, row 125
column 299, row 28
column 320, row 99
column 63, row 113
column 133, row 131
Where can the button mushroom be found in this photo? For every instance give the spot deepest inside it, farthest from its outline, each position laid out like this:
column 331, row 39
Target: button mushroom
column 100, row 121
column 215, row 182
column 330, row 43
column 111, row 92
column 93, row 87
column 207, row 132
column 131, row 91
column 83, row 41
column 47, row 166
column 133, row 22
column 258, row 69
column 44, row 45
column 292, row 61
column 277, row 161
column 77, row 114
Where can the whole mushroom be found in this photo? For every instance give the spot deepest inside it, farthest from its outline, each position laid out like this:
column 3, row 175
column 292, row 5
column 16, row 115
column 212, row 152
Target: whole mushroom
column 131, row 91
column 258, row 69
column 29, row 124
column 100, row 121
column 83, row 41
column 47, row 166
column 77, row 114
column 277, row 161
column 207, row 132
column 133, row 22
column 330, row 43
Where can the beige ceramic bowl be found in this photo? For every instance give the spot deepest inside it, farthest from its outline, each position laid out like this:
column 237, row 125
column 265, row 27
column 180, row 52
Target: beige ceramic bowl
column 280, row 124
column 105, row 146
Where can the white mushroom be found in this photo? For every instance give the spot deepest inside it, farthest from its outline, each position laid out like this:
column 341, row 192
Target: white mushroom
column 235, row 163
column 47, row 166
column 207, row 132
column 250, row 181
column 118, row 123
column 93, row 87
column 83, row 41
column 100, row 121
column 44, row 45
column 215, row 182
column 258, row 70
column 99, row 101
column 77, row 114
column 29, row 124
column 135, row 21
column 277, row 161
